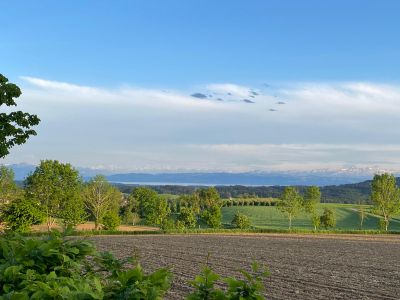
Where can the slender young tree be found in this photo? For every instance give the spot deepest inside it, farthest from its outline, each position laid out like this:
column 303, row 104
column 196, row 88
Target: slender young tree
column 100, row 197
column 8, row 189
column 362, row 215
column 385, row 196
column 312, row 197
column 290, row 204
column 15, row 127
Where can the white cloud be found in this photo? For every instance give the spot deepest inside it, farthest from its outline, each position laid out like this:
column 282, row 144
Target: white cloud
column 321, row 125
column 56, row 91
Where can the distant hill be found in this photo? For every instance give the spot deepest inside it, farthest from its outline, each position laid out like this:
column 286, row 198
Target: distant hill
column 247, row 179
column 345, row 193
column 22, row 170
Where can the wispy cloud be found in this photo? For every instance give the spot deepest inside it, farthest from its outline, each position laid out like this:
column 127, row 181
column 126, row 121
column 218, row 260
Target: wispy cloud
column 229, row 89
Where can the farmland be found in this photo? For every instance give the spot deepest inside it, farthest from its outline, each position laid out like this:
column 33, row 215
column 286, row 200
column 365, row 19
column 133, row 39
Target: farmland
column 269, row 217
column 324, row 266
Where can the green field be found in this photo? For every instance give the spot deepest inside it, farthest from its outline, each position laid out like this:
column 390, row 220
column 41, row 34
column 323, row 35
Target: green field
column 270, row 217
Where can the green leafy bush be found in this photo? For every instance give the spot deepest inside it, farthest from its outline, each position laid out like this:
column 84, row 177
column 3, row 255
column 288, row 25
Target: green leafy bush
column 241, row 221
column 60, row 267
column 249, row 288
column 56, row 267
column 21, row 214
column 328, row 219
column 111, row 221
column 204, row 285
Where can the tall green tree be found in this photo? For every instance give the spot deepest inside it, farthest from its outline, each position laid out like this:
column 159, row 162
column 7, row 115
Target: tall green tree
column 57, row 188
column 187, row 217
column 312, row 197
column 290, row 204
column 153, row 208
column 158, row 213
column 130, row 210
column 8, row 189
column 385, row 196
column 146, row 199
column 213, row 216
column 100, row 197
column 208, row 197
column 15, row 126
column 210, row 205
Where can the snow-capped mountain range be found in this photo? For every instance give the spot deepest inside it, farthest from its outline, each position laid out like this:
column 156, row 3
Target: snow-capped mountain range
column 314, row 177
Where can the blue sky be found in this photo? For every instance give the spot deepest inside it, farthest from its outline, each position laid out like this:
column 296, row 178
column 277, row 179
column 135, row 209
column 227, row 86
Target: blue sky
column 180, row 43
column 120, row 74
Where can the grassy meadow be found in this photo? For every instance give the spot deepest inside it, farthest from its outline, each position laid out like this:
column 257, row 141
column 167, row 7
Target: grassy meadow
column 347, row 217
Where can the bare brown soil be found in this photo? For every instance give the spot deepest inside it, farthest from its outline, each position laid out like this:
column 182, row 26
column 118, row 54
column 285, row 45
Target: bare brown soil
column 301, row 266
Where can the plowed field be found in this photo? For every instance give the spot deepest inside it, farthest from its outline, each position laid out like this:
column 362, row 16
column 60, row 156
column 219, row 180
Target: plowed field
column 301, row 266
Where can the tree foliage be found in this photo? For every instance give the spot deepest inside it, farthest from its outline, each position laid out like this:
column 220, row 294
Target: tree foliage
column 210, row 206
column 212, row 216
column 328, row 218
column 290, row 204
column 385, row 196
column 19, row 215
column 111, row 220
column 15, row 127
column 312, row 197
column 241, row 221
column 158, row 213
column 187, row 217
column 100, row 197
column 9, row 191
column 57, row 187
column 152, row 208
column 145, row 199
column 208, row 197
column 58, row 268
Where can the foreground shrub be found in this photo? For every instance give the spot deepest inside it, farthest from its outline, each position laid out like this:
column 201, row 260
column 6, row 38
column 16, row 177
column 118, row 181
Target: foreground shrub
column 58, row 267
column 241, row 221
column 61, row 268
column 21, row 214
column 111, row 221
column 251, row 287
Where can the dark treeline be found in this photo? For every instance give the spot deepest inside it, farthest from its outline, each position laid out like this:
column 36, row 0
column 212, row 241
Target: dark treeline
column 345, row 193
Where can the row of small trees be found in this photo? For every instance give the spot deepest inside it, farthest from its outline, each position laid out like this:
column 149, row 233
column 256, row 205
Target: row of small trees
column 385, row 197
column 55, row 191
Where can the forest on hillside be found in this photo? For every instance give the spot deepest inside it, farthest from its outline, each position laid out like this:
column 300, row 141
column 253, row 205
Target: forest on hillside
column 345, row 193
